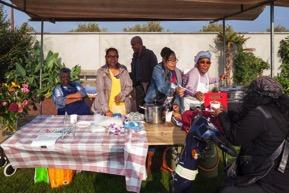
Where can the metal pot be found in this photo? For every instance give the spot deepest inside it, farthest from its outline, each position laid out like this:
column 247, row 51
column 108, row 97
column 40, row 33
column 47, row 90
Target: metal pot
column 154, row 113
column 235, row 97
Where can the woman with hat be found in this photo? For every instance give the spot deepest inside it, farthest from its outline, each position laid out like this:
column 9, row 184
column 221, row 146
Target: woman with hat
column 198, row 80
column 261, row 129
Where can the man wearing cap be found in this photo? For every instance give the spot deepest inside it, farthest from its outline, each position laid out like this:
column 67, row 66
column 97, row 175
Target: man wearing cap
column 142, row 65
column 198, row 80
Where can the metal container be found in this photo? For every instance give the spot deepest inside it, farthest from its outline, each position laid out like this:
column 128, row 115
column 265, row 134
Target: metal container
column 235, row 97
column 154, row 113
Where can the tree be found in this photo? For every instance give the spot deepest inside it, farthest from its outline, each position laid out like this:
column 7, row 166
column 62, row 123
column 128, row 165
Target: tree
column 283, row 76
column 245, row 65
column 89, row 27
column 151, row 26
column 279, row 28
column 15, row 47
column 215, row 27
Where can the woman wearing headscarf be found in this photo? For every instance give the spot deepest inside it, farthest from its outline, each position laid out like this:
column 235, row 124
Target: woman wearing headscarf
column 198, row 80
column 68, row 96
column 261, row 129
column 113, row 86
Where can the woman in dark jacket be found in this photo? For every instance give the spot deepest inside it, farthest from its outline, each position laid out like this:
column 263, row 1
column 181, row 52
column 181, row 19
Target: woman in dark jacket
column 260, row 128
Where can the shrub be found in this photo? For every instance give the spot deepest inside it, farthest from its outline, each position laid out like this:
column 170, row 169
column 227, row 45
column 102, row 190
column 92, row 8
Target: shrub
column 15, row 47
column 283, row 76
column 28, row 72
column 247, row 67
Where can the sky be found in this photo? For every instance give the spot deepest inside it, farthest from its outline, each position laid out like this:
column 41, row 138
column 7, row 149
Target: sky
column 259, row 25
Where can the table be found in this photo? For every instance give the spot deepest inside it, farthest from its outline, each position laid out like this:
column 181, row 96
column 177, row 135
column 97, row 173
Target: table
column 164, row 134
column 87, row 150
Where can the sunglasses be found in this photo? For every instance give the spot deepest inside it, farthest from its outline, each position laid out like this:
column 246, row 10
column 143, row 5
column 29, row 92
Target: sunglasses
column 176, row 60
column 204, row 62
column 112, row 56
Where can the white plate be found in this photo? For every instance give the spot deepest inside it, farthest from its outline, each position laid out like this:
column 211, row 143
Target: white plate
column 82, row 124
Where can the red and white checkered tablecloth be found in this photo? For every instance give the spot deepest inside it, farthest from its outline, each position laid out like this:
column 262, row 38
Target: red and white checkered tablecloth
column 87, row 150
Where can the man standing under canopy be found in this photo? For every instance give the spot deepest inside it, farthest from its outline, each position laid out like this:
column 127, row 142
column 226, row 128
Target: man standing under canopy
column 142, row 66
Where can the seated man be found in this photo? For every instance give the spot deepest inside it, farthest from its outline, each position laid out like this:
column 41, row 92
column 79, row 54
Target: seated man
column 69, row 96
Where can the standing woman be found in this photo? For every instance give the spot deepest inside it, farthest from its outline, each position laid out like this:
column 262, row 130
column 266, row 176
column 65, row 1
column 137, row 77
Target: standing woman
column 69, row 96
column 113, row 86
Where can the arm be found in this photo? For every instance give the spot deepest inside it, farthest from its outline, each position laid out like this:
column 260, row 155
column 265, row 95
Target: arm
column 71, row 98
column 154, row 60
column 162, row 85
column 100, row 103
column 58, row 98
column 193, row 76
column 126, row 91
column 244, row 130
column 213, row 80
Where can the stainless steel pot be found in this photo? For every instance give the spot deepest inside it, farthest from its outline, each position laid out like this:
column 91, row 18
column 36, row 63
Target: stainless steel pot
column 154, row 113
column 235, row 97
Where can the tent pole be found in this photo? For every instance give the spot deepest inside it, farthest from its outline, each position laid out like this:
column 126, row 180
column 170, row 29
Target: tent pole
column 272, row 61
column 41, row 61
column 224, row 45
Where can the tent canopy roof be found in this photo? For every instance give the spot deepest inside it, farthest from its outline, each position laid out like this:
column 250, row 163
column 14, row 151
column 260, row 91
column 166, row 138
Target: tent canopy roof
column 125, row 10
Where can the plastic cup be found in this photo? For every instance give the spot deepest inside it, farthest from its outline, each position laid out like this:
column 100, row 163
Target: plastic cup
column 73, row 118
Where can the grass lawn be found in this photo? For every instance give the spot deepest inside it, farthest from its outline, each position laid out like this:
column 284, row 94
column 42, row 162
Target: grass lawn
column 89, row 182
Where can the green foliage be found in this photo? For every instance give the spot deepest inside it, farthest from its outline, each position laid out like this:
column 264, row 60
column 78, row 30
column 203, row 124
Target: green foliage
column 232, row 38
column 29, row 71
column 151, row 26
column 15, row 46
column 216, row 27
column 247, row 67
column 283, row 76
column 90, row 27
column 279, row 28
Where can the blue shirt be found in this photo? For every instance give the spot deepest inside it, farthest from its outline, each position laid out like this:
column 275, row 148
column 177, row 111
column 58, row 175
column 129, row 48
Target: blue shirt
column 161, row 83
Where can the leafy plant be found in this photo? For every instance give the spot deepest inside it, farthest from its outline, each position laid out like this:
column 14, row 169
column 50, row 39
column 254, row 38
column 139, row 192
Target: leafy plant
column 283, row 76
column 28, row 72
column 247, row 67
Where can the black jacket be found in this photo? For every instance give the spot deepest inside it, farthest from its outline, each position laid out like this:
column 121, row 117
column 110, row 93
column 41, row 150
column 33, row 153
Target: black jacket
column 147, row 60
column 259, row 137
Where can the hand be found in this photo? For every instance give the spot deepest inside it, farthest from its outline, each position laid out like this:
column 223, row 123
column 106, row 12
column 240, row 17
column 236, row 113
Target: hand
column 199, row 95
column 223, row 77
column 180, row 91
column 117, row 99
column 176, row 108
column 108, row 113
column 217, row 111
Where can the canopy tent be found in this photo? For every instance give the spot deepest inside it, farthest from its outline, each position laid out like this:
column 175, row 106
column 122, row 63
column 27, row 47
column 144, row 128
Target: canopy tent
column 145, row 10
column 124, row 10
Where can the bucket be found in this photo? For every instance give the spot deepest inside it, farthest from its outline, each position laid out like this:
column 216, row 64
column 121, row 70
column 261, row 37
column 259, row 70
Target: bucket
column 209, row 161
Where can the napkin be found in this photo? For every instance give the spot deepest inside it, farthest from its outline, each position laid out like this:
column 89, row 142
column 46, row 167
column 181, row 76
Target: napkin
column 46, row 139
